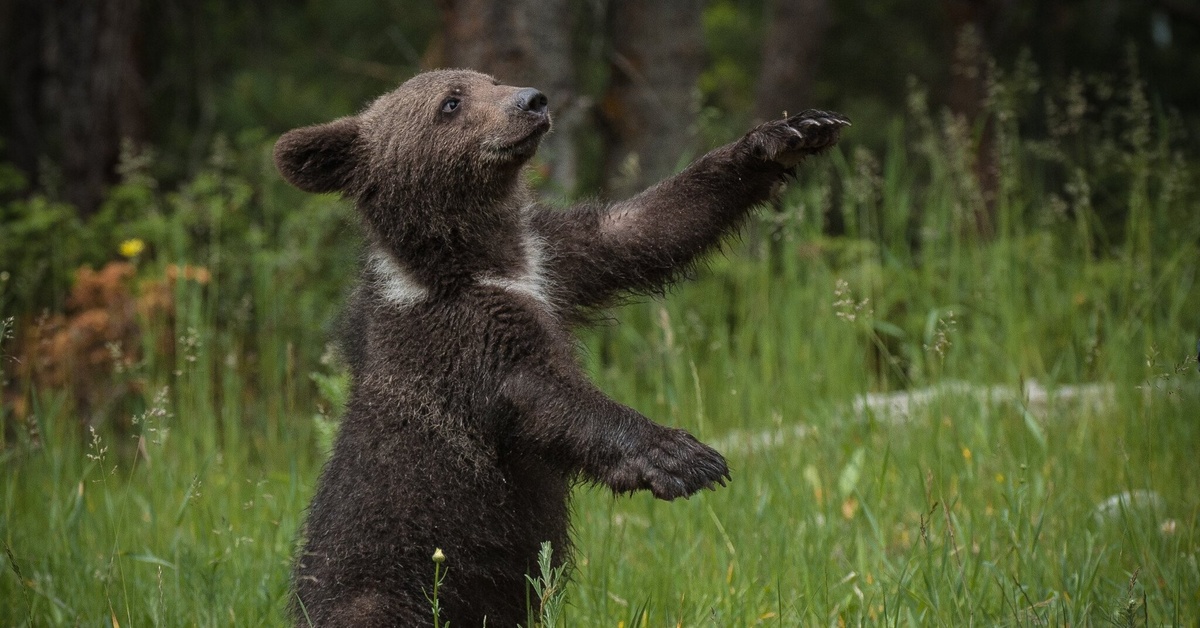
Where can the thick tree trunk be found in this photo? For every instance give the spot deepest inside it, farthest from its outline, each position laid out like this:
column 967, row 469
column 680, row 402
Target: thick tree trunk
column 967, row 97
column 650, row 108
column 795, row 33
column 20, row 75
column 794, row 36
column 527, row 43
column 74, row 91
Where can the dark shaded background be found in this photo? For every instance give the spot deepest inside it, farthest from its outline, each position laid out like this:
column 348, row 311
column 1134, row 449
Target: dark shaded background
column 81, row 78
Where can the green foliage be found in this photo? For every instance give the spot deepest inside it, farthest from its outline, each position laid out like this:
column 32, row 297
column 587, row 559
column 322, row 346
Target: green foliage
column 549, row 587
column 732, row 40
column 279, row 260
column 39, row 248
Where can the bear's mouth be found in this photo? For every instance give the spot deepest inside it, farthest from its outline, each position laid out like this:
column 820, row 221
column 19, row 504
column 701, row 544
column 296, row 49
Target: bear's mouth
column 521, row 148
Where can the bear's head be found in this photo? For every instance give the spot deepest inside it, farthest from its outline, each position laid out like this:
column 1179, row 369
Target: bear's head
column 433, row 166
column 457, row 125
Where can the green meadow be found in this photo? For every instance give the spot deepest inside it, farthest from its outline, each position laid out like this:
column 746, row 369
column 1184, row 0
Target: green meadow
column 925, row 426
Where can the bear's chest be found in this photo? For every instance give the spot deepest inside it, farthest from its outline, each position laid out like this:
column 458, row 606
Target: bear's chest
column 400, row 287
column 483, row 327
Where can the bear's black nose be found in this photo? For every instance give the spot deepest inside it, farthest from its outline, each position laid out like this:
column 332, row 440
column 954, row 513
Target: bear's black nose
column 530, row 99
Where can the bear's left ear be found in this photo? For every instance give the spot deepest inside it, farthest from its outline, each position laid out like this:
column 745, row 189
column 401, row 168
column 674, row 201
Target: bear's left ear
column 319, row 158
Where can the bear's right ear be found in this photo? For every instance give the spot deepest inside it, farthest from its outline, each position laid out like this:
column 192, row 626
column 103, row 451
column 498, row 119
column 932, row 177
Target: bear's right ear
column 319, row 158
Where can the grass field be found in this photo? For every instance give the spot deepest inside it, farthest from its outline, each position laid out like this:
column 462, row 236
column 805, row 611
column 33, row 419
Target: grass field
column 968, row 510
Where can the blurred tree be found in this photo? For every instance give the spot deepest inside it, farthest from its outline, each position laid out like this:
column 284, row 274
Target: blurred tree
column 734, row 51
column 74, row 92
column 790, row 53
column 225, row 67
column 527, row 43
column 1182, row 10
column 975, row 25
column 791, row 48
column 650, row 108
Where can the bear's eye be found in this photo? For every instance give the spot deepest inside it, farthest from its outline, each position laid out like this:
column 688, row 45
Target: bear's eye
column 451, row 105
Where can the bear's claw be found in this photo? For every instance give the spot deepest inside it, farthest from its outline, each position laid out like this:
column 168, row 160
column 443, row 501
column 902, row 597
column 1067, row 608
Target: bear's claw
column 675, row 465
column 789, row 140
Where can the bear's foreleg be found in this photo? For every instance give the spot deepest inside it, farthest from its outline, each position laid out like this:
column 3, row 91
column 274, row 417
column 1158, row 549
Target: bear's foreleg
column 643, row 244
column 573, row 424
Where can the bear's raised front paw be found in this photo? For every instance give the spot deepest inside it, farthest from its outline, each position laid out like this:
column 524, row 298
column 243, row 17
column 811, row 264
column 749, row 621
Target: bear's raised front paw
column 790, row 140
column 673, row 464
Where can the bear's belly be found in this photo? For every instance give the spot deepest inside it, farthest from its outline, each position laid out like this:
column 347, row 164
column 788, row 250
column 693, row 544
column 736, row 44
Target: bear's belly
column 386, row 501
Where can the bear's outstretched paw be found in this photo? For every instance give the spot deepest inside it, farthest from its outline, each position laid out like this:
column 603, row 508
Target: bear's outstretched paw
column 790, row 140
column 673, row 464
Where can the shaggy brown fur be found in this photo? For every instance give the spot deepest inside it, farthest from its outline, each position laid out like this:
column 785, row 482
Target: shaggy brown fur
column 469, row 417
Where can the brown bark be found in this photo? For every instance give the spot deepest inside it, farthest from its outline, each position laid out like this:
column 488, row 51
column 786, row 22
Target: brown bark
column 650, row 107
column 967, row 97
column 76, row 92
column 20, row 71
column 527, row 43
column 791, row 51
column 1181, row 10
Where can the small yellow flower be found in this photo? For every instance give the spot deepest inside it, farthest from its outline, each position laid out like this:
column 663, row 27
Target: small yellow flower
column 132, row 247
column 849, row 508
column 966, row 454
column 999, row 478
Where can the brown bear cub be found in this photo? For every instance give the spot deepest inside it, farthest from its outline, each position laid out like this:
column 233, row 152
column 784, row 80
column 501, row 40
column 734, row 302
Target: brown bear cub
column 469, row 417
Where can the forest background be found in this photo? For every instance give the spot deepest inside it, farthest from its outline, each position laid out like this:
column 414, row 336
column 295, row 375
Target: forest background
column 637, row 88
column 953, row 367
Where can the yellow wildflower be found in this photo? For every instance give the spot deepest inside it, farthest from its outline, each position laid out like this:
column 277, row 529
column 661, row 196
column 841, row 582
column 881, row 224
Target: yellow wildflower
column 132, row 247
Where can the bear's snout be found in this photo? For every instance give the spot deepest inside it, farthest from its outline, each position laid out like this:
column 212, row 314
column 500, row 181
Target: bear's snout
column 531, row 100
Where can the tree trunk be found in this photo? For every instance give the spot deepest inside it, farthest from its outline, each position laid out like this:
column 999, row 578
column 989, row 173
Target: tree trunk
column 526, row 43
column 74, row 91
column 795, row 33
column 19, row 53
column 791, row 50
column 967, row 97
column 650, row 107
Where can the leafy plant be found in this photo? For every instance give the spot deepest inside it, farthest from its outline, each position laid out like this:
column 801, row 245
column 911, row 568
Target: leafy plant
column 550, row 589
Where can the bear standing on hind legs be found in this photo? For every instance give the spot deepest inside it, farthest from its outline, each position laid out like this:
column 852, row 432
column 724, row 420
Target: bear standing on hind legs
column 469, row 417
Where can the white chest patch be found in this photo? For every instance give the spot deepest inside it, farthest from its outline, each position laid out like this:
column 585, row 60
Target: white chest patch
column 531, row 281
column 396, row 285
column 399, row 287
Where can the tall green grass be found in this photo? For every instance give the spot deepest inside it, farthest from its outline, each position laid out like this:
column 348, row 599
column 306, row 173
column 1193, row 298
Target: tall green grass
column 968, row 511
